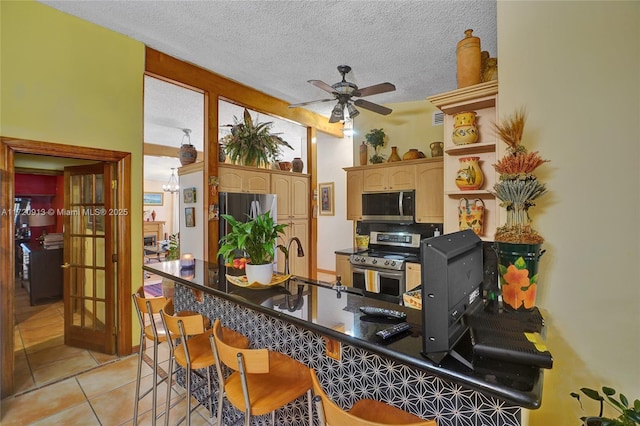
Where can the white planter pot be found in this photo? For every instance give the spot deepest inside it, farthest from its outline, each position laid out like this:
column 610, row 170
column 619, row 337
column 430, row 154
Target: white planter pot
column 259, row 273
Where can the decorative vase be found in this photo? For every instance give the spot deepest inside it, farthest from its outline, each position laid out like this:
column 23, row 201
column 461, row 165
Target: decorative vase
column 259, row 273
column 297, row 165
column 187, row 154
column 394, row 155
column 465, row 130
column 518, row 270
column 222, row 155
column 471, row 215
column 469, row 60
column 469, row 175
column 436, row 149
column 363, row 154
column 490, row 72
column 153, row 215
column 412, row 154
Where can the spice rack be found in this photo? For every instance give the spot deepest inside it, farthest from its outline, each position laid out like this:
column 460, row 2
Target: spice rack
column 483, row 99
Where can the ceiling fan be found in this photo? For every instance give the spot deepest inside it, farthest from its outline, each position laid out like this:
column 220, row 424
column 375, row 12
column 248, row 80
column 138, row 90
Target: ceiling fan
column 343, row 91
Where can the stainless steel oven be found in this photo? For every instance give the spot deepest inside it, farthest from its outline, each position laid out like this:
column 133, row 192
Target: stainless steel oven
column 380, row 271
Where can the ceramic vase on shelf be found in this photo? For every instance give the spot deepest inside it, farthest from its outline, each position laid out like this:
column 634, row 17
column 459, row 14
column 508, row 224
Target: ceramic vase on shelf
column 518, row 270
column 469, row 60
column 436, row 149
column 394, row 155
column 363, row 154
column 297, row 165
column 465, row 130
column 471, row 215
column 412, row 154
column 469, row 176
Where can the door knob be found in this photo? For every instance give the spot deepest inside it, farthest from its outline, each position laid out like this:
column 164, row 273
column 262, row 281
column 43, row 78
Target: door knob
column 65, row 265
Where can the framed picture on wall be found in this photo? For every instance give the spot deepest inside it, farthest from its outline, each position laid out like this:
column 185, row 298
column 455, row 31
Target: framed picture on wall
column 190, row 217
column 326, row 199
column 189, row 195
column 153, row 198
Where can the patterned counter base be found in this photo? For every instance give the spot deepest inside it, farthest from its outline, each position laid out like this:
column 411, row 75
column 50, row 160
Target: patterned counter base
column 359, row 374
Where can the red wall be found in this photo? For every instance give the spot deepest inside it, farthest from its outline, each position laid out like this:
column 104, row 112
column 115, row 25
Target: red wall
column 45, row 192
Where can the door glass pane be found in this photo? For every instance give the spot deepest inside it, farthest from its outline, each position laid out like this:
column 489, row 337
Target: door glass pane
column 87, row 189
column 76, row 311
column 75, row 191
column 100, row 252
column 99, row 189
column 89, row 317
column 75, row 220
column 88, row 282
column 100, row 284
column 100, row 315
column 77, row 250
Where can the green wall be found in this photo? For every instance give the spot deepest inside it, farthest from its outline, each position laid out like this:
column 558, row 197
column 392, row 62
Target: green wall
column 64, row 80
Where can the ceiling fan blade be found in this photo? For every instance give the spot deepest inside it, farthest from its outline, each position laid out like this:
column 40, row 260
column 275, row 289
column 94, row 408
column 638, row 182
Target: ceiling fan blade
column 375, row 89
column 322, row 85
column 309, row 103
column 373, row 107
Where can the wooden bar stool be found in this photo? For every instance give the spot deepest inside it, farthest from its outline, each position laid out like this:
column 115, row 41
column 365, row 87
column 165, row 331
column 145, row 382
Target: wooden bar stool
column 262, row 380
column 151, row 328
column 365, row 412
column 190, row 348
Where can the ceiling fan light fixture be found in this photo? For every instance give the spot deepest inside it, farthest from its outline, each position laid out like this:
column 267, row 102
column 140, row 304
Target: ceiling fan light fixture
column 337, row 113
column 172, row 185
column 352, row 110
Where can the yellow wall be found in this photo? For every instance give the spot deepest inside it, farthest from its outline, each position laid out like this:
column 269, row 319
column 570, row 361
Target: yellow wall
column 576, row 67
column 408, row 126
column 67, row 81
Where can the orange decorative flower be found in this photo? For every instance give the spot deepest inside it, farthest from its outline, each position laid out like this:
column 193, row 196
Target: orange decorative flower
column 517, row 290
column 239, row 263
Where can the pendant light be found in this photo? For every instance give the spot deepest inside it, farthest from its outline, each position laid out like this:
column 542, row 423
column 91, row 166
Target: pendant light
column 172, row 186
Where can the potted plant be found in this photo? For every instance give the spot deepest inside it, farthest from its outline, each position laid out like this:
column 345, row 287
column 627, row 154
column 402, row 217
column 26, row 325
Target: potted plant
column 629, row 415
column 252, row 143
column 256, row 240
column 517, row 243
column 376, row 139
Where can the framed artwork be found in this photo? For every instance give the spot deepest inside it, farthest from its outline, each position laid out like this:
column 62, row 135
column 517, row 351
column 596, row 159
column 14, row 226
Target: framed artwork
column 326, row 199
column 190, row 217
column 189, row 195
column 153, row 198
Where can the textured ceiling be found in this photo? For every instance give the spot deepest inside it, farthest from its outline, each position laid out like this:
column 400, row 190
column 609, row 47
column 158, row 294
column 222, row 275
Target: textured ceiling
column 276, row 46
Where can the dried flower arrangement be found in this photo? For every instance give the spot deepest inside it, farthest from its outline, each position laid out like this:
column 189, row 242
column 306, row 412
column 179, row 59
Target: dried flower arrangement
column 517, row 187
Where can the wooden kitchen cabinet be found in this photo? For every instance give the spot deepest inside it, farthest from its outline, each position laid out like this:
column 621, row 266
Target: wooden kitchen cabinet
column 354, row 194
column 243, row 179
column 293, row 195
column 343, row 269
column 413, row 275
column 43, row 279
column 430, row 192
column 297, row 265
column 483, row 99
column 389, row 178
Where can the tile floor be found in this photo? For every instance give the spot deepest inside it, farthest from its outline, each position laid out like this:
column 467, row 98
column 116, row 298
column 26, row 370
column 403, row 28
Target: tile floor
column 57, row 384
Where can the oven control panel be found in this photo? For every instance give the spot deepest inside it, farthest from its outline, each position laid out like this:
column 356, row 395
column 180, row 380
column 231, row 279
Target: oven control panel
column 365, row 260
column 396, row 239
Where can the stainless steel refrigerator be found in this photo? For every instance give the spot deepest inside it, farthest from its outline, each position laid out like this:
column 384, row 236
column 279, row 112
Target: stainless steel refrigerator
column 244, row 207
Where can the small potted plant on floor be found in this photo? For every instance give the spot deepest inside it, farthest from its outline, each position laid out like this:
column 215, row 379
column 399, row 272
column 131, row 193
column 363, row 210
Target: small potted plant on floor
column 517, row 243
column 251, row 143
column 376, row 139
column 255, row 240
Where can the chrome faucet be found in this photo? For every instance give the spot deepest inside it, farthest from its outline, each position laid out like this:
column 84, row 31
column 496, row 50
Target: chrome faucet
column 286, row 258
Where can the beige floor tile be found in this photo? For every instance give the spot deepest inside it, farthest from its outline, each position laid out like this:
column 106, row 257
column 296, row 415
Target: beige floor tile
column 53, row 355
column 22, row 377
column 48, row 315
column 103, row 358
column 45, row 337
column 111, row 376
column 80, row 415
column 116, row 406
column 41, row 403
column 17, row 340
column 68, row 367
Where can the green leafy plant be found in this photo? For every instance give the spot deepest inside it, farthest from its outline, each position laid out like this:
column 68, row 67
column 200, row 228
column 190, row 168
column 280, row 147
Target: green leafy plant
column 252, row 143
column 629, row 415
column 376, row 139
column 173, row 252
column 257, row 238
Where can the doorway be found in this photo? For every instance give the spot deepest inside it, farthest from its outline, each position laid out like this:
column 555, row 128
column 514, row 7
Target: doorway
column 121, row 182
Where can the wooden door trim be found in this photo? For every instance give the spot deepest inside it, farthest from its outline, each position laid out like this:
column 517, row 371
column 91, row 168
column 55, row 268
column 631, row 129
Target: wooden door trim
column 10, row 146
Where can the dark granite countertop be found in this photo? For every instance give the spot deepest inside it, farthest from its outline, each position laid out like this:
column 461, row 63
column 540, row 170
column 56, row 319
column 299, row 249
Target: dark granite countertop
column 349, row 251
column 316, row 306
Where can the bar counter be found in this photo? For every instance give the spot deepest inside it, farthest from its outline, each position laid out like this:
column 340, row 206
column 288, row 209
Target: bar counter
column 298, row 317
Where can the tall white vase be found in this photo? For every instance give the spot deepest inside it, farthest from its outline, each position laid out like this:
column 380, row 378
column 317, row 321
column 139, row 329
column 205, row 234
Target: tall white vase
column 259, row 273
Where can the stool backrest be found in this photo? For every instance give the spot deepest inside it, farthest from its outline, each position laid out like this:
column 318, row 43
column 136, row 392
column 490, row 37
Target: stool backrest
column 148, row 305
column 256, row 361
column 331, row 414
column 182, row 325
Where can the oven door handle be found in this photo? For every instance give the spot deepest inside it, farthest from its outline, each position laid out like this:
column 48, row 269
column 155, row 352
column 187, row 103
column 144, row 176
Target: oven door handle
column 393, row 275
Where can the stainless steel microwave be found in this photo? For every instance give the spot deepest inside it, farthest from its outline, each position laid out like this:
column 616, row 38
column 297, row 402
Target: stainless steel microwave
column 389, row 207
